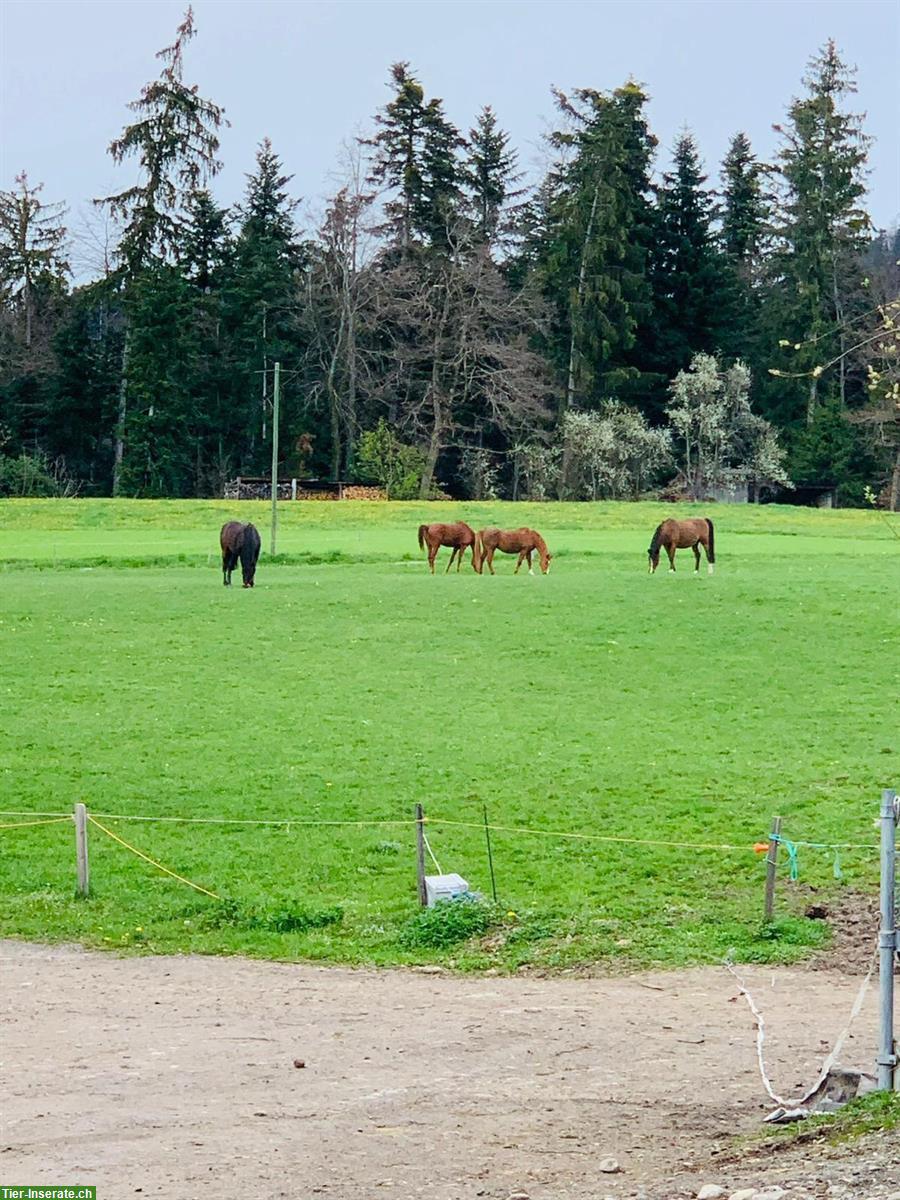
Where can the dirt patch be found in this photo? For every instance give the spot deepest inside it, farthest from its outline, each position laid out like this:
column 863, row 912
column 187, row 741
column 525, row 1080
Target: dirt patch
column 853, row 918
column 176, row 1077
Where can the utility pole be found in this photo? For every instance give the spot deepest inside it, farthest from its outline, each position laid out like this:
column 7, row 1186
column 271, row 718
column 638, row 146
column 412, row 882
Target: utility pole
column 276, row 400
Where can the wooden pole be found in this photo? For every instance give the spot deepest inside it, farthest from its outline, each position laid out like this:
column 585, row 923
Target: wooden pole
column 420, row 855
column 81, row 851
column 276, row 400
column 771, row 865
column 487, row 838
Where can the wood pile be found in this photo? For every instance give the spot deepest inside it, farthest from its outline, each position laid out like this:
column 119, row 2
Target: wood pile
column 352, row 491
column 260, row 489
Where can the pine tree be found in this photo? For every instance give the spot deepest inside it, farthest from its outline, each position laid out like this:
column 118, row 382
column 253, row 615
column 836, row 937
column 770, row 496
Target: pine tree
column 491, row 175
column 417, row 159
column 398, row 149
column 33, row 287
column 745, row 212
column 692, row 297
column 32, row 250
column 823, row 228
column 594, row 260
column 205, row 247
column 175, row 140
column 442, row 197
column 262, row 303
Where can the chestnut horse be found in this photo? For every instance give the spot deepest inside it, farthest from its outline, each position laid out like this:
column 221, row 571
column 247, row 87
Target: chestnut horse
column 458, row 535
column 523, row 542
column 239, row 541
column 680, row 535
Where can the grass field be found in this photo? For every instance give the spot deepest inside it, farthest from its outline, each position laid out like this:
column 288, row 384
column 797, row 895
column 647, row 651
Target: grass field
column 350, row 685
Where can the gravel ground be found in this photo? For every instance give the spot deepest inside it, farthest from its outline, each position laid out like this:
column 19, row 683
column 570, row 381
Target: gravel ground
column 178, row 1077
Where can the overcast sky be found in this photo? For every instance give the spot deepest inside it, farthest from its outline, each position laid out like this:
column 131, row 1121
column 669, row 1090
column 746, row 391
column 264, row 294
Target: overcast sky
column 310, row 75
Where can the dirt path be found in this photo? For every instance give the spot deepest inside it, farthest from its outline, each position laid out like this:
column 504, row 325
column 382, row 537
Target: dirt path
column 174, row 1077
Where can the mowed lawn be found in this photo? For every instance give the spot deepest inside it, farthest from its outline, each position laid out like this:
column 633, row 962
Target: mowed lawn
column 350, row 685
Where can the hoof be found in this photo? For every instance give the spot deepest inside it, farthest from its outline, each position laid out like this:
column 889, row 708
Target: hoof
column 709, row 569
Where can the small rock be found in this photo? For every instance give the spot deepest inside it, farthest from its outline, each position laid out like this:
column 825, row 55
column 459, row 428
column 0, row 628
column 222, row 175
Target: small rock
column 773, row 1193
column 609, row 1166
column 298, row 1062
column 428, row 970
column 743, row 1194
column 517, row 1196
column 710, row 1191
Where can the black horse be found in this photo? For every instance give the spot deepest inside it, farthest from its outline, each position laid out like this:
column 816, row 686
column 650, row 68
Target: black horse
column 239, row 542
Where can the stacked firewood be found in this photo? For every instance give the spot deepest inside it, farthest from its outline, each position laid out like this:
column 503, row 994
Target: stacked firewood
column 260, row 489
column 355, row 492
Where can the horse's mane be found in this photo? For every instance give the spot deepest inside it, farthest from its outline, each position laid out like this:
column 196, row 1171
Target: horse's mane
column 655, row 543
column 539, row 542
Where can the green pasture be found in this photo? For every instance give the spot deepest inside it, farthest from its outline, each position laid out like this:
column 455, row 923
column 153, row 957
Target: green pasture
column 350, row 685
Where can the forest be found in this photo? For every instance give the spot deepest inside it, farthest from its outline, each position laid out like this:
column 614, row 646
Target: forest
column 627, row 325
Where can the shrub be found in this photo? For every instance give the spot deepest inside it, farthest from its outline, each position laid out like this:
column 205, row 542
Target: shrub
column 394, row 465
column 34, row 475
column 446, row 923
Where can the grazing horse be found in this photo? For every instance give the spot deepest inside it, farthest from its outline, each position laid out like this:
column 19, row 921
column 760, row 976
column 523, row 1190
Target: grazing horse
column 239, row 541
column 681, row 535
column 523, row 542
column 458, row 535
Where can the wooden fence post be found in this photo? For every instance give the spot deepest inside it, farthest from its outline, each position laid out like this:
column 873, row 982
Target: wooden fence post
column 81, row 851
column 420, row 855
column 771, row 866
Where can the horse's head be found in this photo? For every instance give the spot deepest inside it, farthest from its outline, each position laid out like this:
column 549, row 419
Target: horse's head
column 546, row 558
column 653, row 557
column 249, row 573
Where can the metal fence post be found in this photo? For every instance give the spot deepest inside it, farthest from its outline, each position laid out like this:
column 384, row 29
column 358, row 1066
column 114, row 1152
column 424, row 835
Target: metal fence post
column 81, row 851
column 420, row 856
column 887, row 942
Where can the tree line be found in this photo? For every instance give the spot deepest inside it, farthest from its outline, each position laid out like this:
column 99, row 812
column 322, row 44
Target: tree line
column 446, row 329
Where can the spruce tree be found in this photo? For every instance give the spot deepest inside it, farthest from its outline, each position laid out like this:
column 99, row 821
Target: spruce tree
column 33, row 287
column 823, row 229
column 593, row 265
column 175, row 141
column 692, row 297
column 398, row 147
column 491, row 176
column 261, row 304
column 32, row 250
column 745, row 211
column 417, row 159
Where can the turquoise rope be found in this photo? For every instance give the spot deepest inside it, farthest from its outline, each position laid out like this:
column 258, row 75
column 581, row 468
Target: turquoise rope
column 793, row 853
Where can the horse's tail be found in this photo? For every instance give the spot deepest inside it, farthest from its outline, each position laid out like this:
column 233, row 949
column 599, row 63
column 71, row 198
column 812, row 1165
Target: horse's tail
column 712, row 541
column 657, row 539
column 423, row 529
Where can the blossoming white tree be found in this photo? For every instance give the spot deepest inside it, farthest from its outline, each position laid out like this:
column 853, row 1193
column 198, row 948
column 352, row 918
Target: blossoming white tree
column 721, row 441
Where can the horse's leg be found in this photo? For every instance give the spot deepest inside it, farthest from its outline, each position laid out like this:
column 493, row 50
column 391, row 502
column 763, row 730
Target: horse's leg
column 452, row 556
column 670, row 550
column 462, row 550
column 530, row 567
column 519, row 561
column 490, row 560
column 432, row 555
column 709, row 566
column 696, row 558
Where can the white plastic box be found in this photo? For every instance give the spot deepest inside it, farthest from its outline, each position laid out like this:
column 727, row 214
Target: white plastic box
column 444, row 887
